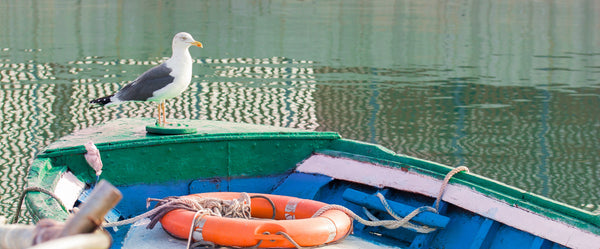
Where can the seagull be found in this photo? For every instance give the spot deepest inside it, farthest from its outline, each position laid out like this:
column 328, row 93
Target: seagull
column 165, row 81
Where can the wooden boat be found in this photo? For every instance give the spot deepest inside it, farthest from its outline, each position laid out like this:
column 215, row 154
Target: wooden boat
column 473, row 211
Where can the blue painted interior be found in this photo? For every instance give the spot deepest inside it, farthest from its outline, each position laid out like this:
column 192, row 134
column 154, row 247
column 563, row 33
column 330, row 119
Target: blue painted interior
column 458, row 228
column 302, row 185
column 373, row 202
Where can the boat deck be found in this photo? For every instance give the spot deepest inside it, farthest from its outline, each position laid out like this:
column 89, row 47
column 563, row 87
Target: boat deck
column 140, row 237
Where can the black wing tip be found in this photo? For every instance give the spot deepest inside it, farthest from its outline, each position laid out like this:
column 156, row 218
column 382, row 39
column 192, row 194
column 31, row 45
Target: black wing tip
column 101, row 101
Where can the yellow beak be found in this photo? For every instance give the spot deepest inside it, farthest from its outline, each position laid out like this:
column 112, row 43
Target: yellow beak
column 197, row 43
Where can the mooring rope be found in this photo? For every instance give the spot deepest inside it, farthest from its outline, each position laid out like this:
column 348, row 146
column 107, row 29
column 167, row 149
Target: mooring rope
column 398, row 221
column 33, row 189
column 390, row 224
column 445, row 183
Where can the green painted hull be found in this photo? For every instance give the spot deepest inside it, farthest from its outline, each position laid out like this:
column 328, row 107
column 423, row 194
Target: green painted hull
column 232, row 150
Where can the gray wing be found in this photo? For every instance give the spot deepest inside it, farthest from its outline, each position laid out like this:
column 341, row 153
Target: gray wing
column 142, row 88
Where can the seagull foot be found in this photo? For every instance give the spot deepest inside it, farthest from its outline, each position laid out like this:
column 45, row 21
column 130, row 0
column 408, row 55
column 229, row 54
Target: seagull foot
column 163, row 124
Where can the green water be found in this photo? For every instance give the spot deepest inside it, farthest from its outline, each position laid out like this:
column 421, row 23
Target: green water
column 510, row 89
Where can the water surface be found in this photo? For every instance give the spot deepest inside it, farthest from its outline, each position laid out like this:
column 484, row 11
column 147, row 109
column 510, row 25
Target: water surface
column 509, row 89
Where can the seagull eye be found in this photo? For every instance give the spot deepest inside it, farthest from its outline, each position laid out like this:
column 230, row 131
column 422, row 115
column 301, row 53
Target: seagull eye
column 184, row 38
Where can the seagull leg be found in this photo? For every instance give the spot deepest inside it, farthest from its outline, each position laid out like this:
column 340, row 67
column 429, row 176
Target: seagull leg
column 164, row 117
column 160, row 114
column 164, row 114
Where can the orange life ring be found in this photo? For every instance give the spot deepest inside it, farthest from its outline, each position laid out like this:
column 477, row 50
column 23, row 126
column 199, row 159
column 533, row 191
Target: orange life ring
column 293, row 216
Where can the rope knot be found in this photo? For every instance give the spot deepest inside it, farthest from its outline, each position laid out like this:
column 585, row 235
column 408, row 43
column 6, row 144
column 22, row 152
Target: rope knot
column 235, row 208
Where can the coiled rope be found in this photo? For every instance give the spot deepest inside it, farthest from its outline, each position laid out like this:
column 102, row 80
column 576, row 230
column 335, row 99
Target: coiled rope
column 236, row 208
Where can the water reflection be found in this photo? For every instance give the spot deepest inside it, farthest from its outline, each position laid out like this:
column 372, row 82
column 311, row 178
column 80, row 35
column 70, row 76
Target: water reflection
column 509, row 89
column 463, row 121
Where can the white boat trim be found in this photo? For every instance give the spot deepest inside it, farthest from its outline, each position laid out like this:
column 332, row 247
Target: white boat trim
column 383, row 176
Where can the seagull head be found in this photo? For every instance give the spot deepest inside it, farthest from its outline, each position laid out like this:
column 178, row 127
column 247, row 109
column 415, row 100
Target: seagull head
column 184, row 40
